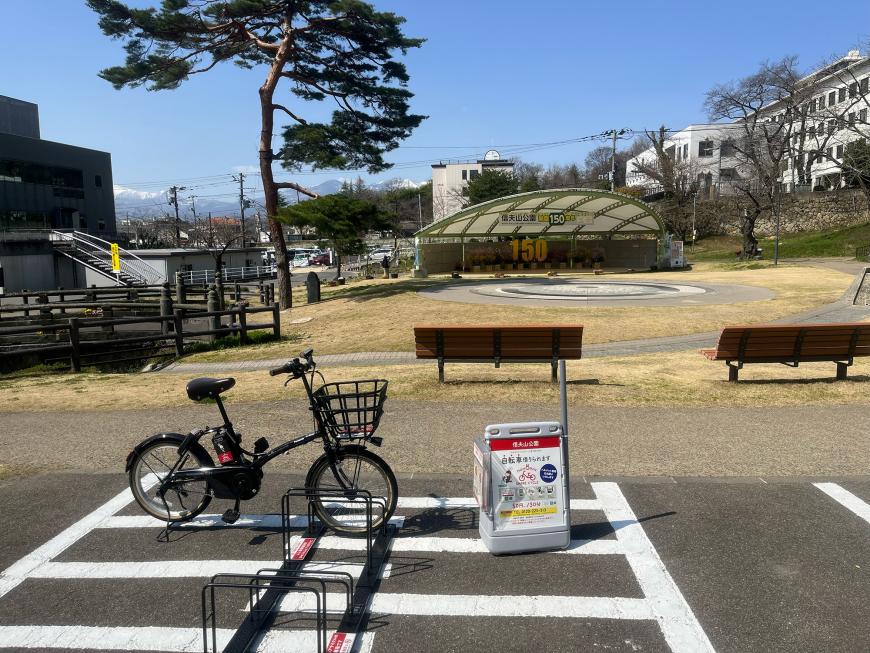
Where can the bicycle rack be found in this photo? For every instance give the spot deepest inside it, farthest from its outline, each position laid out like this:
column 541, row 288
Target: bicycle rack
column 268, row 586
column 336, row 496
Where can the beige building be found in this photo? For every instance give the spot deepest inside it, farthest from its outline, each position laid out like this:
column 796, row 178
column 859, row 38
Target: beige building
column 449, row 180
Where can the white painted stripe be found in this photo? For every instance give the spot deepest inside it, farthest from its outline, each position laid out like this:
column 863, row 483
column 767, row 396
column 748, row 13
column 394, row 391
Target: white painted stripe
column 215, row 521
column 469, row 502
column 846, row 499
column 414, row 544
column 175, row 640
column 679, row 626
column 23, row 568
column 462, row 605
column 177, row 568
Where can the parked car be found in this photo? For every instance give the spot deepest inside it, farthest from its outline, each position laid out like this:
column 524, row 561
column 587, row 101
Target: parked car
column 300, row 261
column 319, row 259
column 380, row 253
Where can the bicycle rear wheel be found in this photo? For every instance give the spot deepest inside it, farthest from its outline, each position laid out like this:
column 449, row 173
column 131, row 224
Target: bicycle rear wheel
column 359, row 469
column 180, row 502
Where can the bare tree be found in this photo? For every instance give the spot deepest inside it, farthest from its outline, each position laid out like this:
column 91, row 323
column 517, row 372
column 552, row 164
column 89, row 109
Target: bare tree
column 216, row 235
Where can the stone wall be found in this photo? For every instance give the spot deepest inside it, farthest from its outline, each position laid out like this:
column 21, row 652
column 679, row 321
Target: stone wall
column 800, row 212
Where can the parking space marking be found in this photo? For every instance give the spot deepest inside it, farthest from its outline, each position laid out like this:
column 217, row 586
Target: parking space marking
column 469, row 605
column 18, row 572
column 681, row 629
column 150, row 638
column 179, row 568
column 846, row 499
column 470, row 502
column 270, row 522
column 422, row 544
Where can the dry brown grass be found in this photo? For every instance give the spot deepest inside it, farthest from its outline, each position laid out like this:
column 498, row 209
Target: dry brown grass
column 681, row 378
column 377, row 315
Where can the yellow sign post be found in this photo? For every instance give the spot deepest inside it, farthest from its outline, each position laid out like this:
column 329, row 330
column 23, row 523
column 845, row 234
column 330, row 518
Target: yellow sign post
column 116, row 258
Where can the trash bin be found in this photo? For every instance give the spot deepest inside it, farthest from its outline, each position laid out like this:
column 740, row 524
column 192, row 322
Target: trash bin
column 521, row 485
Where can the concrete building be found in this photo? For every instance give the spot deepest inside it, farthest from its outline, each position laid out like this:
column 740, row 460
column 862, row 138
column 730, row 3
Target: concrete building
column 48, row 185
column 43, row 186
column 827, row 111
column 701, row 152
column 449, row 179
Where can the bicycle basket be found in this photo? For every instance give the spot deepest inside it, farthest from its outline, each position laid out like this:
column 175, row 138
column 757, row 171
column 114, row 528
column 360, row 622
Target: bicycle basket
column 350, row 409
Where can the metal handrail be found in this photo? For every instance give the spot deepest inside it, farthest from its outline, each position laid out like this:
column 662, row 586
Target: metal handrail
column 191, row 277
column 99, row 249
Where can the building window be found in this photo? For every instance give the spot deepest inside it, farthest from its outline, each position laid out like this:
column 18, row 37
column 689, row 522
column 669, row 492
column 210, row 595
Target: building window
column 864, row 83
column 705, row 148
column 727, row 174
column 862, row 116
column 839, row 151
column 474, row 174
column 685, row 150
column 842, row 94
column 98, row 181
column 832, row 126
column 821, row 128
column 830, row 152
column 464, row 175
column 101, row 225
column 853, row 89
column 812, row 106
column 726, row 149
column 852, row 118
column 832, row 98
column 821, row 102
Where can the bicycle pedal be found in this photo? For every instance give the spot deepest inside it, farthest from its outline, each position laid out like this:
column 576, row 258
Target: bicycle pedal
column 230, row 516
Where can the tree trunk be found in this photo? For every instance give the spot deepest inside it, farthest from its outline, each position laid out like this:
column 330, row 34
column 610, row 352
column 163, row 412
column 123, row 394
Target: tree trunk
column 750, row 242
column 337, row 265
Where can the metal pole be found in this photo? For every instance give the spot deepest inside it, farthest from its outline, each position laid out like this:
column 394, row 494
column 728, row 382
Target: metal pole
column 242, row 204
column 613, row 165
column 563, row 398
column 776, row 220
column 694, row 201
column 420, row 209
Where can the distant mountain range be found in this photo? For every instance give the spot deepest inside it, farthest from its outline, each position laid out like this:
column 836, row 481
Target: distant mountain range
column 150, row 204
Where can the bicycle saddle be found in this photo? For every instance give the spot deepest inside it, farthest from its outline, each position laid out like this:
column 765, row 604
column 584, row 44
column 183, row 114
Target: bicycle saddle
column 205, row 387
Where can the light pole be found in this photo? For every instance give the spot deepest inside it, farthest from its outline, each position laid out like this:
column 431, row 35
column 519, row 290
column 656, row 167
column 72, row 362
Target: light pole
column 694, row 204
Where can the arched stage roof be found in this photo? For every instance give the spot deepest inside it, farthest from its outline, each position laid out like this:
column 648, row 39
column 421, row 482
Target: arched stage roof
column 557, row 212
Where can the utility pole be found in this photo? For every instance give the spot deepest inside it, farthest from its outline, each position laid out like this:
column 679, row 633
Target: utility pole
column 173, row 200
column 241, row 180
column 420, row 210
column 614, row 133
column 193, row 206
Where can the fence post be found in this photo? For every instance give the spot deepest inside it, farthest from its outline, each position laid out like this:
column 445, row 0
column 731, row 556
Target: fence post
column 219, row 288
column 212, row 307
column 238, row 293
column 165, row 307
column 262, row 290
column 26, row 301
column 180, row 289
column 243, row 325
column 75, row 354
column 109, row 313
column 276, row 320
column 178, row 321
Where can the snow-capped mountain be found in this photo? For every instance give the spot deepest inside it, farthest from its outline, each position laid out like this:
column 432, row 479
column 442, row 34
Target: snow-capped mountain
column 133, row 203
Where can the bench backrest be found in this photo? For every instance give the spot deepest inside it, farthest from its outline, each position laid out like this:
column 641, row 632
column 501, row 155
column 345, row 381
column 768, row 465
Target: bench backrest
column 531, row 342
column 797, row 341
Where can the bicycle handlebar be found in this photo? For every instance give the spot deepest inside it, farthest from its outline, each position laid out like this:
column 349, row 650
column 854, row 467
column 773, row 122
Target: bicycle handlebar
column 296, row 367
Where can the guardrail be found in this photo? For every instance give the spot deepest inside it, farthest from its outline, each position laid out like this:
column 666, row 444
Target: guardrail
column 229, row 274
column 172, row 333
column 862, row 252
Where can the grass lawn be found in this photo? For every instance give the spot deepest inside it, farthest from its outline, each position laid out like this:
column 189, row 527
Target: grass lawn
column 679, row 378
column 829, row 242
column 378, row 315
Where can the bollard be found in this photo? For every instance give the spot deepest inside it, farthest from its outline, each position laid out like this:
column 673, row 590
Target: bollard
column 165, row 308
column 180, row 289
column 214, row 321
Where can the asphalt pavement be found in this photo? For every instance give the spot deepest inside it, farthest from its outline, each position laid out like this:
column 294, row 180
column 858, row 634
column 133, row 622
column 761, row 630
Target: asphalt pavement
column 665, row 565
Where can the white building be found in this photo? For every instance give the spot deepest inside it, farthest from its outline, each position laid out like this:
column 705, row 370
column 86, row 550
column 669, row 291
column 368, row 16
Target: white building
column 449, row 180
column 828, row 110
column 701, row 152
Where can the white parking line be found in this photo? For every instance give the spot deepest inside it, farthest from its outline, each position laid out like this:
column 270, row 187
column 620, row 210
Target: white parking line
column 465, row 605
column 846, row 499
column 178, row 568
column 421, row 544
column 470, row 502
column 272, row 522
column 174, row 640
column 681, row 629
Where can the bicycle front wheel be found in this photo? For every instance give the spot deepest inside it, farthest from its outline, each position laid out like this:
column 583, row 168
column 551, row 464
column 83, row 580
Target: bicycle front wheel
column 355, row 469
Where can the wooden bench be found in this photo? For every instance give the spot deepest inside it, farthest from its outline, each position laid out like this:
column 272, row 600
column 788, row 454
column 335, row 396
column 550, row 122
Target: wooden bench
column 791, row 345
column 499, row 343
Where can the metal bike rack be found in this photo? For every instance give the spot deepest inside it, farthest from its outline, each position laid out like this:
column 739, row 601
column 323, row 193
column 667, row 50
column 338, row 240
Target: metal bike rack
column 315, row 526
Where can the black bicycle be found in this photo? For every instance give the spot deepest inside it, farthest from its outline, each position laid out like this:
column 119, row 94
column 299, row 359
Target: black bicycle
column 174, row 478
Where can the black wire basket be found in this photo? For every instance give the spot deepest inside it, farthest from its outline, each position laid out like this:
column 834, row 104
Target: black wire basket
column 351, row 409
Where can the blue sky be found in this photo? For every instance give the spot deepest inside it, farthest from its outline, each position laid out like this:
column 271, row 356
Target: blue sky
column 492, row 74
